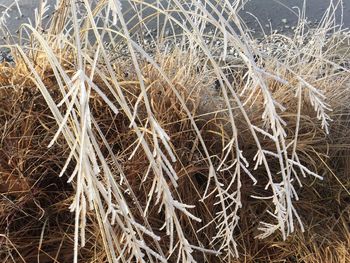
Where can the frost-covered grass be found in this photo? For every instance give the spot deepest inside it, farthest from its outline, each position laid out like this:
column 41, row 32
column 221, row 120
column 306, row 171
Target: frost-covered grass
column 180, row 144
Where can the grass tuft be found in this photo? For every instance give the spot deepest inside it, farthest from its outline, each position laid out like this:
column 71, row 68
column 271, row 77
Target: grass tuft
column 194, row 142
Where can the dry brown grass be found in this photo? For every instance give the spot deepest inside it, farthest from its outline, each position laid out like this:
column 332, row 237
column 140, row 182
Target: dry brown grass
column 34, row 201
column 204, row 106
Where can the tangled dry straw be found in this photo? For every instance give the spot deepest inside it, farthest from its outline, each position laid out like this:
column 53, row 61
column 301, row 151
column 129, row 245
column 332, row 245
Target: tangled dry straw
column 175, row 154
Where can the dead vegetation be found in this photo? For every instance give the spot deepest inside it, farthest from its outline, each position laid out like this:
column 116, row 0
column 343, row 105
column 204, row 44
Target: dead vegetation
column 174, row 155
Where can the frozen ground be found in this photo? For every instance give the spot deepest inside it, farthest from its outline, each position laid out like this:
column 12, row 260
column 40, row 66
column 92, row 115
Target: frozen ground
column 272, row 14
